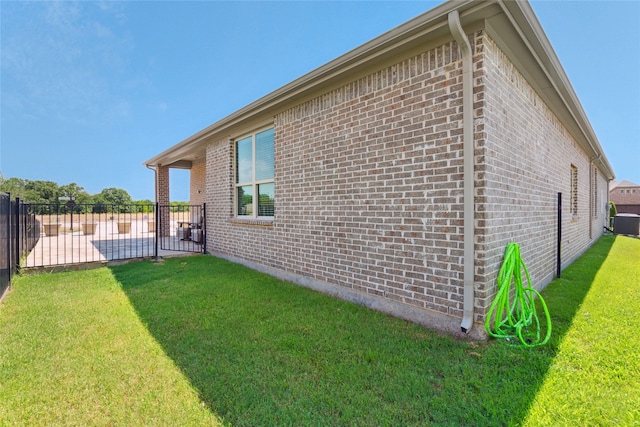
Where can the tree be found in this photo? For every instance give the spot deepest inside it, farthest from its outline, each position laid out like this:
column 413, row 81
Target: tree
column 144, row 206
column 44, row 197
column 42, row 191
column 72, row 190
column 99, row 204
column 119, row 198
column 613, row 211
column 77, row 194
column 179, row 206
column 36, row 193
column 15, row 186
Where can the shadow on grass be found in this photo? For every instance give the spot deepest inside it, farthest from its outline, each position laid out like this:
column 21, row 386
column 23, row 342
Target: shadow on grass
column 264, row 352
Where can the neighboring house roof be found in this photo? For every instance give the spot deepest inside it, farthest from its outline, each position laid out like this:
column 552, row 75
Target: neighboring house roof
column 624, row 183
column 512, row 25
column 625, row 193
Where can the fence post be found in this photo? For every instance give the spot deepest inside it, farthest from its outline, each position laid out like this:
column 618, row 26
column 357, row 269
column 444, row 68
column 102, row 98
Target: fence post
column 16, row 226
column 9, row 263
column 157, row 227
column 559, row 243
column 204, row 227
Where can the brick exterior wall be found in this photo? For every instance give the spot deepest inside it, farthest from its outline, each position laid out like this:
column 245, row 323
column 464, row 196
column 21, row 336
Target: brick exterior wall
column 374, row 176
column 198, row 183
column 368, row 187
column 162, row 197
column 369, row 184
column 219, row 196
column 524, row 158
column 626, row 195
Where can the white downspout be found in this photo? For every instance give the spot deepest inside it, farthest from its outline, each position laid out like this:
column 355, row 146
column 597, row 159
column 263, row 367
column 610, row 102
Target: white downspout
column 155, row 181
column 468, row 154
column 591, row 194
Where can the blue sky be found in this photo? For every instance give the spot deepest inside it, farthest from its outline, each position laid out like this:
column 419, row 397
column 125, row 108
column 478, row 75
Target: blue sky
column 90, row 90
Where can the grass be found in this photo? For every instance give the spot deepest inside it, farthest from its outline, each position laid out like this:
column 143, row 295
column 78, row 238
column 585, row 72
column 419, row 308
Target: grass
column 201, row 341
column 595, row 377
column 74, row 352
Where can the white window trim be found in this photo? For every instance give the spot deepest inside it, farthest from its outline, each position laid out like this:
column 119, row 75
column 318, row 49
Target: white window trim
column 254, row 183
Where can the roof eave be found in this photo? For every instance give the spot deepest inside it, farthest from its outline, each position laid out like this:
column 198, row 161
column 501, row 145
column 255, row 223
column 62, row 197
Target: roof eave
column 559, row 92
column 552, row 82
column 424, row 24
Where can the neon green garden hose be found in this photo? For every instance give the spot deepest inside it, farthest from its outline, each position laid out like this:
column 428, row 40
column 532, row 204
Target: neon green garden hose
column 513, row 314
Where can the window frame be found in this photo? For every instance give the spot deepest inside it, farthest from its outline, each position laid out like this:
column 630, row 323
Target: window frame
column 573, row 200
column 254, row 183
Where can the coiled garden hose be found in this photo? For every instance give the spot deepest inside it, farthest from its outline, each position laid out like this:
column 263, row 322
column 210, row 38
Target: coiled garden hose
column 513, row 314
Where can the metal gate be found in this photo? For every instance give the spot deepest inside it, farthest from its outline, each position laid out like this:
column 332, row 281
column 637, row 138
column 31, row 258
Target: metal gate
column 182, row 228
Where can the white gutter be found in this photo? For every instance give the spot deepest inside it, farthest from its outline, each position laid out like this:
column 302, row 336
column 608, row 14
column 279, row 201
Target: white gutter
column 468, row 153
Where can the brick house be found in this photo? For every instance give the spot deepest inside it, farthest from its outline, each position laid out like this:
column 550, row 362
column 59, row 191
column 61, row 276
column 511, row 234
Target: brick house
column 626, row 196
column 395, row 175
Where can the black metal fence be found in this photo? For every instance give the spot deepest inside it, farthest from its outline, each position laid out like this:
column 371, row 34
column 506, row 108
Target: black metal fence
column 84, row 233
column 187, row 224
column 19, row 234
column 43, row 235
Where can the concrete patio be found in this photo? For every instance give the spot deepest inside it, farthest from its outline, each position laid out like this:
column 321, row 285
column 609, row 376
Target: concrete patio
column 106, row 243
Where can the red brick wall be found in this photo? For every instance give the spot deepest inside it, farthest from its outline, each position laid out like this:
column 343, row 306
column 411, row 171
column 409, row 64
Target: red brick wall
column 626, row 195
column 162, row 197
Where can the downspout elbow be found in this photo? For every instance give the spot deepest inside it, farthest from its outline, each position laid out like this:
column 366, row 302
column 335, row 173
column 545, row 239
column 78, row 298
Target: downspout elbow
column 155, row 181
column 468, row 158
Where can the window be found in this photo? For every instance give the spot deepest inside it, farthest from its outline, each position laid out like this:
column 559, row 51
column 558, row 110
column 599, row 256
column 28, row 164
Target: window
column 255, row 188
column 574, row 190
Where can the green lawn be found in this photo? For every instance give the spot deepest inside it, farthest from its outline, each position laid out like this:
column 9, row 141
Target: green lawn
column 201, row 341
